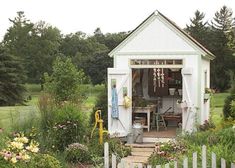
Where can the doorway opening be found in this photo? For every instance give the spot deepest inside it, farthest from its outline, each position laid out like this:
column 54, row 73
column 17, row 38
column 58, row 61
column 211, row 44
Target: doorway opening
column 156, row 95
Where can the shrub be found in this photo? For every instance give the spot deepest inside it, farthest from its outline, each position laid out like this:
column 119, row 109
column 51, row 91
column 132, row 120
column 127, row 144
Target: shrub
column 76, row 152
column 208, row 124
column 101, row 104
column 64, row 81
column 68, row 126
column 44, row 161
column 229, row 107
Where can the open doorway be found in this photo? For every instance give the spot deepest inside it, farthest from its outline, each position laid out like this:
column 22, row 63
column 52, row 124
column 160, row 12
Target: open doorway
column 156, row 95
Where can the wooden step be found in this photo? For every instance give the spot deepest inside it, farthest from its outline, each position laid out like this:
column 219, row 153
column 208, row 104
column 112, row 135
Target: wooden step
column 147, row 154
column 143, row 145
column 142, row 149
column 136, row 159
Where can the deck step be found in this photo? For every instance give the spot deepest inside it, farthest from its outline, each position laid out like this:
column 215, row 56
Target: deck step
column 136, row 159
column 147, row 154
column 143, row 145
column 142, row 149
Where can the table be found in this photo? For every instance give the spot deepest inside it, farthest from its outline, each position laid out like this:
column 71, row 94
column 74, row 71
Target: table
column 145, row 110
column 172, row 117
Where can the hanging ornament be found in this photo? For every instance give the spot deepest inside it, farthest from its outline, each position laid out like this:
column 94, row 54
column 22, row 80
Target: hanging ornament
column 159, row 77
column 162, row 77
column 154, row 79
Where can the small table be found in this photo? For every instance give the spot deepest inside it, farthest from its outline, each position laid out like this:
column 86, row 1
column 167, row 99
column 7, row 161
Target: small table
column 172, row 117
column 146, row 110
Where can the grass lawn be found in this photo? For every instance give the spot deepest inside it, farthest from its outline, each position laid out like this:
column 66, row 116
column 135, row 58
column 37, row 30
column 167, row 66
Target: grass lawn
column 11, row 115
column 217, row 104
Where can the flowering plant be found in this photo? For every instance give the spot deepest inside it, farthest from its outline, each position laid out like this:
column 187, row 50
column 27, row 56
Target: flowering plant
column 209, row 90
column 19, row 149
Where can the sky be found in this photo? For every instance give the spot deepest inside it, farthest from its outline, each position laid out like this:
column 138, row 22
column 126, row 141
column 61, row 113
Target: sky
column 111, row 16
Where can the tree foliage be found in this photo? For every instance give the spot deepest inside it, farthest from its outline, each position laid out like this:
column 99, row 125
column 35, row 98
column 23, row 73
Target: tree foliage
column 219, row 38
column 11, row 79
column 64, row 81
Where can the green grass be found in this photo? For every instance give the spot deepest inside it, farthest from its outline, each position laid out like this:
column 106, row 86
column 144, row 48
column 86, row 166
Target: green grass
column 217, row 104
column 13, row 115
column 218, row 99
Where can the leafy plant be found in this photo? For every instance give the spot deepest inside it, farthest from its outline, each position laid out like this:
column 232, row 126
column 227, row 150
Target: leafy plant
column 76, row 152
column 229, row 107
column 63, row 84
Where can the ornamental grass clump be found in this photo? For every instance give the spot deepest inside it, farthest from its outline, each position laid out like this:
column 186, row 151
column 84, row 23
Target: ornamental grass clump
column 20, row 149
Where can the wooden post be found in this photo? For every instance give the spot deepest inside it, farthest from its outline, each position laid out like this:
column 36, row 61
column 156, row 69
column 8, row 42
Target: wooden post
column 195, row 160
column 167, row 165
column 175, row 164
column 223, row 163
column 232, row 165
column 203, row 156
column 140, row 165
column 158, row 166
column 106, row 155
column 114, row 161
column 213, row 160
column 185, row 165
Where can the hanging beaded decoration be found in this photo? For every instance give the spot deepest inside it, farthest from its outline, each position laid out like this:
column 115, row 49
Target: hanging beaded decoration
column 162, row 78
column 154, row 79
column 159, row 77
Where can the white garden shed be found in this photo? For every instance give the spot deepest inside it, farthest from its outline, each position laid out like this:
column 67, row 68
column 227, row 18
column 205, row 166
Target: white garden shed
column 158, row 66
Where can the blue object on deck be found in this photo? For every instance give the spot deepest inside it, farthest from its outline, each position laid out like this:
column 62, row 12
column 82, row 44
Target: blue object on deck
column 115, row 111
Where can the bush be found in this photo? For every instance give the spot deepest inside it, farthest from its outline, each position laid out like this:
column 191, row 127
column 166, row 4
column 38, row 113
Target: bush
column 229, row 107
column 69, row 125
column 101, row 104
column 76, row 152
column 64, row 81
column 44, row 161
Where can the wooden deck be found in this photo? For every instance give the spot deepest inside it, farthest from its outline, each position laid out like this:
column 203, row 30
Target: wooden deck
column 162, row 133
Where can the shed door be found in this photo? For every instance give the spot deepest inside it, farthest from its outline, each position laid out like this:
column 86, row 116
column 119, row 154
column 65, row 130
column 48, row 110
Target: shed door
column 188, row 90
column 122, row 80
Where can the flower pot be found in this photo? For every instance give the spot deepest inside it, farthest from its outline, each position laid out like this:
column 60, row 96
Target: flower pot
column 206, row 96
column 171, row 91
column 180, row 92
column 182, row 105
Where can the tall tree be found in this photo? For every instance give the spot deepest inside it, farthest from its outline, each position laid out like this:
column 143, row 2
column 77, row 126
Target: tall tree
column 35, row 44
column 223, row 42
column 11, row 79
column 198, row 28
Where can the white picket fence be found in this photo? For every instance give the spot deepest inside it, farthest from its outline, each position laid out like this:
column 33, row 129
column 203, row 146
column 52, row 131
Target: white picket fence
column 185, row 161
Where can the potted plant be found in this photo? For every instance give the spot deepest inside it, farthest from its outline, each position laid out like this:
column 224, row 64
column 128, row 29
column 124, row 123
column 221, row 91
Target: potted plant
column 181, row 104
column 208, row 93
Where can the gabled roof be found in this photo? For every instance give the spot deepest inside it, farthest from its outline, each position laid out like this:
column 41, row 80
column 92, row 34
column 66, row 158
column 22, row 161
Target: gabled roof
column 205, row 52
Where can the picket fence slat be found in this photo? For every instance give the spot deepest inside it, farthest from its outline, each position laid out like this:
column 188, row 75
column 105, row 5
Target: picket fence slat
column 125, row 164
column 223, row 163
column 195, row 160
column 213, row 160
column 185, row 162
column 106, row 155
column 175, row 164
column 140, row 165
column 203, row 156
column 114, row 161
column 167, row 165
column 232, row 165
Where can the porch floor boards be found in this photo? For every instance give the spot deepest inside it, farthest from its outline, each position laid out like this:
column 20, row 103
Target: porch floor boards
column 162, row 133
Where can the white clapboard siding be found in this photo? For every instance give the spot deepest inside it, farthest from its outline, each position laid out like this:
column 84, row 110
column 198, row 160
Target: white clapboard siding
column 124, row 164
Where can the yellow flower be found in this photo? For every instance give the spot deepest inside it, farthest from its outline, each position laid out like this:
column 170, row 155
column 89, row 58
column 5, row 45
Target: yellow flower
column 13, row 160
column 25, row 157
column 17, row 145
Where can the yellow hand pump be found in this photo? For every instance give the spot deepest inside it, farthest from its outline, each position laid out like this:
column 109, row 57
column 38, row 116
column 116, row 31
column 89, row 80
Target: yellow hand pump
column 99, row 121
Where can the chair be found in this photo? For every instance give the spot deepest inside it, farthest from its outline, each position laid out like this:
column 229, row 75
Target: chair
column 160, row 121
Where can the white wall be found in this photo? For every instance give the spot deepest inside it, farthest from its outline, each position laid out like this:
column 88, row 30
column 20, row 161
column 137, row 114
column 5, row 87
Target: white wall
column 156, row 36
column 205, row 106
